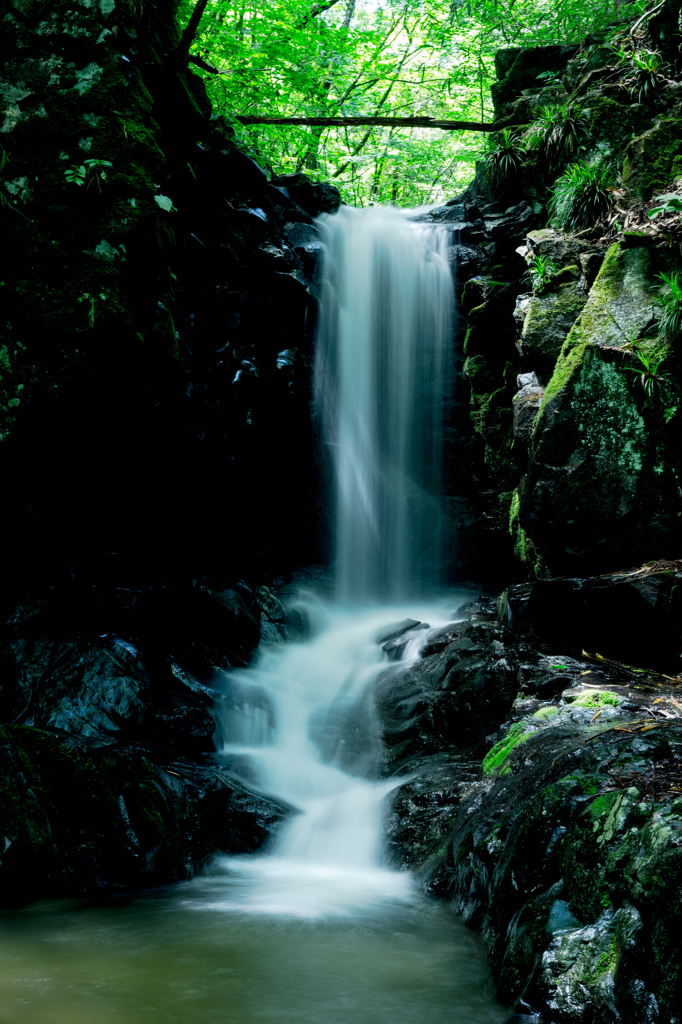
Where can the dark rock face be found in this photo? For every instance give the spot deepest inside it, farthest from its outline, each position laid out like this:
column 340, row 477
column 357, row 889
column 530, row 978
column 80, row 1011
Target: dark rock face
column 518, row 69
column 633, row 616
column 168, row 346
column 111, row 780
column 87, row 815
column 564, row 844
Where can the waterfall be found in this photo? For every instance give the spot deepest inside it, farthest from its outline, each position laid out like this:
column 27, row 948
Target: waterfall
column 382, row 377
column 301, row 720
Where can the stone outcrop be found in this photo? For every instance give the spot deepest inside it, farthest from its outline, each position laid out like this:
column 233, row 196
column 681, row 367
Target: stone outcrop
column 580, row 474
column 156, row 384
column 559, row 833
column 111, row 780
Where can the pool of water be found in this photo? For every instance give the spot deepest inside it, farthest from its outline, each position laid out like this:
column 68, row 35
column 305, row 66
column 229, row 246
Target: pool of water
column 201, row 953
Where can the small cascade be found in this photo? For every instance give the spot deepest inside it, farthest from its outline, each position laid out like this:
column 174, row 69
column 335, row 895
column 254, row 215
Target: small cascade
column 300, row 724
column 382, row 377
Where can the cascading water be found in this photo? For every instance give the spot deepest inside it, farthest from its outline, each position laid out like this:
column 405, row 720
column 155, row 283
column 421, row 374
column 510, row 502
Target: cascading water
column 302, row 718
column 382, row 375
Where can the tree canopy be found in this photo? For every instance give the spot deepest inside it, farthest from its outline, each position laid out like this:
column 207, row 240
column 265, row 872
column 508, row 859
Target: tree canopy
column 393, row 58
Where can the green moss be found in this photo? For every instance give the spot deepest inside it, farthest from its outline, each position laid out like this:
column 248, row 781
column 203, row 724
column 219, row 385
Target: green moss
column 494, row 760
column 654, row 160
column 608, row 961
column 524, row 549
column 612, row 125
column 603, row 804
column 545, row 714
column 595, row 699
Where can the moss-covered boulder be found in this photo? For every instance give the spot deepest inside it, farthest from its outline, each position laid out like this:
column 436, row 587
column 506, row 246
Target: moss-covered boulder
column 604, row 477
column 563, row 844
column 654, row 159
column 552, row 312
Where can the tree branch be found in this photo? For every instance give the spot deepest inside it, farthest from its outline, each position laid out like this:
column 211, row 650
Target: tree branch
column 178, row 56
column 315, row 10
column 355, row 122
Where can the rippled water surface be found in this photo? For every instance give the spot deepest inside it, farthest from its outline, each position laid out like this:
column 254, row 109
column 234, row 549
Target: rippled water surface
column 187, row 954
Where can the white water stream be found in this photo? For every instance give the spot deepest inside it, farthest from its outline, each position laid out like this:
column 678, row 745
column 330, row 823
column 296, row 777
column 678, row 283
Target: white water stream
column 382, row 378
column 302, row 722
column 303, row 717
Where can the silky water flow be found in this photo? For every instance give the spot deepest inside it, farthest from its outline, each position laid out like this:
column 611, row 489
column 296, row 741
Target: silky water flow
column 316, row 929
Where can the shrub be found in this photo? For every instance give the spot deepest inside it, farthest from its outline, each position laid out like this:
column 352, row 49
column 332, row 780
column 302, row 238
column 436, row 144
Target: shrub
column 671, row 307
column 505, row 156
column 659, row 388
column 557, row 131
column 581, row 196
column 542, row 268
column 646, row 71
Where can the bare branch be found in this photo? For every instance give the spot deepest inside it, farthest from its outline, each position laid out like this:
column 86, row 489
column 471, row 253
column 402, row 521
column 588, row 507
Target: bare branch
column 355, row 122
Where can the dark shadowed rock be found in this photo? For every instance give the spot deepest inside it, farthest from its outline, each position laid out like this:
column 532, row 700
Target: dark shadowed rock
column 633, row 616
column 86, row 815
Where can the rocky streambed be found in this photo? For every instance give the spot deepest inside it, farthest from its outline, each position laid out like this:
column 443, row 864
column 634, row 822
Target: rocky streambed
column 545, row 801
column 543, row 776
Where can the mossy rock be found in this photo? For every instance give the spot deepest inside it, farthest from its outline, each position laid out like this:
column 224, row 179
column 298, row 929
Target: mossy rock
column 654, row 160
column 605, row 470
column 550, row 316
column 612, row 125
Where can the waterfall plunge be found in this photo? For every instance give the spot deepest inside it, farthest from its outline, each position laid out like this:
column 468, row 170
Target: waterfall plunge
column 382, row 375
column 302, row 717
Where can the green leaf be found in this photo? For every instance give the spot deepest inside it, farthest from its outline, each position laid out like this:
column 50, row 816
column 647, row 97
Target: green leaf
column 164, row 202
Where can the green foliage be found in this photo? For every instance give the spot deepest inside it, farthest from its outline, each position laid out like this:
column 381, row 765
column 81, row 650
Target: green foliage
column 669, row 203
column 595, row 699
column 75, row 175
column 581, row 196
column 542, row 269
column 89, row 170
column 670, row 322
column 646, row 70
column 403, row 57
column 164, row 203
column 659, row 388
column 90, row 300
column 557, row 132
column 504, row 158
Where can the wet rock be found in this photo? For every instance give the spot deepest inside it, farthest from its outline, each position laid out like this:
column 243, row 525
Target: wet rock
column 526, row 403
column 595, row 612
column 84, row 815
column 508, row 228
column 440, row 638
column 270, row 605
column 86, row 688
column 446, row 701
column 396, row 629
column 395, row 649
column 422, row 811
